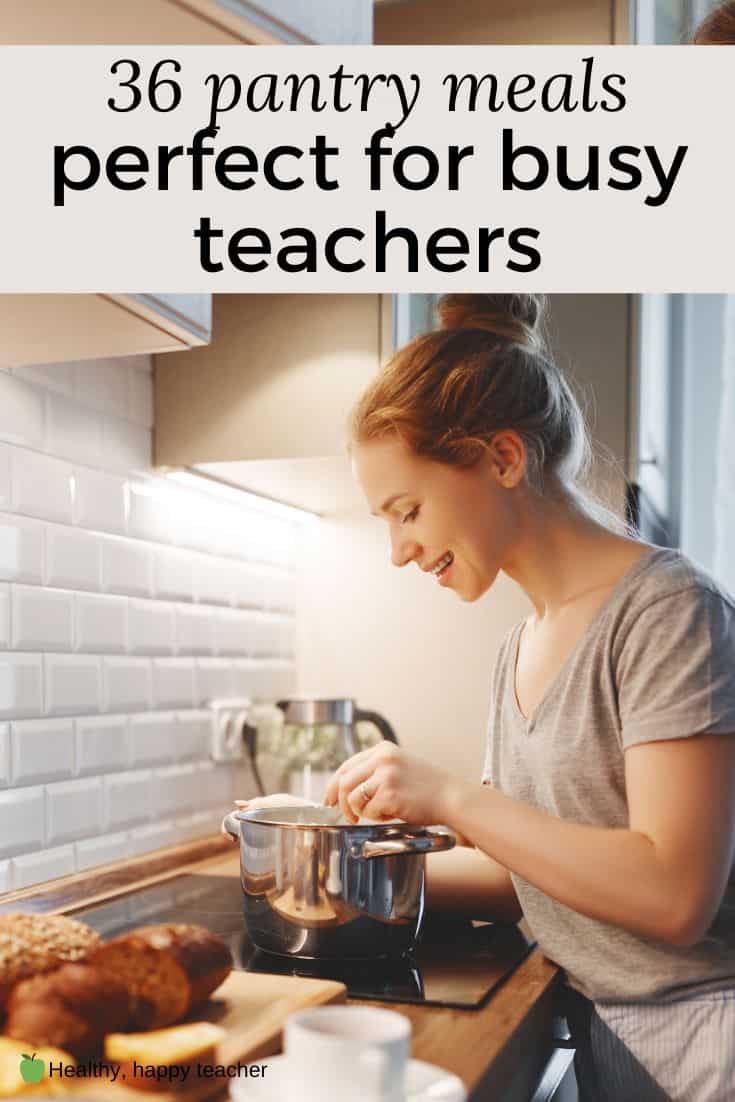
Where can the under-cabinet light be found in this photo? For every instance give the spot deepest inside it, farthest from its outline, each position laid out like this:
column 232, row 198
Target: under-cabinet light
column 207, row 484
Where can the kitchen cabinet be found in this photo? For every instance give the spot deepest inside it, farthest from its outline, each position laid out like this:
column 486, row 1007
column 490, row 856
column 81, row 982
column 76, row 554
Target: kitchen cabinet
column 53, row 328
column 265, row 405
column 503, row 22
column 185, row 22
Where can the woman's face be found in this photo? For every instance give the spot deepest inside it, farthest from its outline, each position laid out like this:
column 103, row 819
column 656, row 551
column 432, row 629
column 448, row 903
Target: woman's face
column 454, row 523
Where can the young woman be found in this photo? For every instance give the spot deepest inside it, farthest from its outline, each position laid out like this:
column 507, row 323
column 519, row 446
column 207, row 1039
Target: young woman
column 606, row 815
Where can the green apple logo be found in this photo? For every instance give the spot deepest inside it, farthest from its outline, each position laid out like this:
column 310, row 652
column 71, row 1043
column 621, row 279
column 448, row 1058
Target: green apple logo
column 31, row 1069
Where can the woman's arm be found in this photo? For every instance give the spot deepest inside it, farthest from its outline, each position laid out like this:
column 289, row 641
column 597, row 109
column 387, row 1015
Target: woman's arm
column 663, row 877
column 467, row 883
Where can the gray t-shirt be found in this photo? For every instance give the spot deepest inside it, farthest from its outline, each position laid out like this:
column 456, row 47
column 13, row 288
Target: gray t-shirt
column 656, row 662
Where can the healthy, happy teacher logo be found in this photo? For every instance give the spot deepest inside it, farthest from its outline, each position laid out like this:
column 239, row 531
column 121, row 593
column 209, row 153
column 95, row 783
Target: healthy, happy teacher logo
column 31, row 1069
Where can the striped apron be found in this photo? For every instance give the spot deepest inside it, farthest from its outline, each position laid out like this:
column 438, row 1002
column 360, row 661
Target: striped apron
column 681, row 1051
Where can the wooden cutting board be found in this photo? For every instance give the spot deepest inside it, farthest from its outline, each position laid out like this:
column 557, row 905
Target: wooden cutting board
column 252, row 1008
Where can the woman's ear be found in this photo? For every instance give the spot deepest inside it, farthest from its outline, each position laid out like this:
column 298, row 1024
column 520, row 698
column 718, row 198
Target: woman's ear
column 507, row 457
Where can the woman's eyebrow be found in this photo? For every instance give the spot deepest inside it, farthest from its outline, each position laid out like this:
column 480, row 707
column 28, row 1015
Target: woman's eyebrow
column 388, row 502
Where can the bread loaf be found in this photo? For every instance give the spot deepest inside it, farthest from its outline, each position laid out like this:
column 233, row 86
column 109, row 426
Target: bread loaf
column 167, row 969
column 31, row 944
column 72, row 1007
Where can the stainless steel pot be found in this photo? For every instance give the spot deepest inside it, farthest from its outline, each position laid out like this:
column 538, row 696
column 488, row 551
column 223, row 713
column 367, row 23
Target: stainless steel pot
column 317, row 887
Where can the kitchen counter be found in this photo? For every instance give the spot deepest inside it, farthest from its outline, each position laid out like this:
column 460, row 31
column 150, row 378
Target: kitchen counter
column 498, row 1050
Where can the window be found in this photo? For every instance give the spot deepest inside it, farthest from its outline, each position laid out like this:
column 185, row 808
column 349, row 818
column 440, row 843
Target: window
column 668, row 22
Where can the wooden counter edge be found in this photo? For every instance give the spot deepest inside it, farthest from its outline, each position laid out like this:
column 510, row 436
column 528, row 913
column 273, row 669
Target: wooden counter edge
column 116, row 878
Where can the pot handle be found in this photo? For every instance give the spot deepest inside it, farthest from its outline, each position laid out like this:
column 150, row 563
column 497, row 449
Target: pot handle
column 232, row 824
column 432, row 842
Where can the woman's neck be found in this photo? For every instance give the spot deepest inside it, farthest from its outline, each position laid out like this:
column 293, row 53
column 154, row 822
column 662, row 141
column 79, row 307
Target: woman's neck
column 562, row 554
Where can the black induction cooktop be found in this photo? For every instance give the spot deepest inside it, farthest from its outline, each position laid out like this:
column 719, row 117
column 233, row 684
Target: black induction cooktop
column 456, row 963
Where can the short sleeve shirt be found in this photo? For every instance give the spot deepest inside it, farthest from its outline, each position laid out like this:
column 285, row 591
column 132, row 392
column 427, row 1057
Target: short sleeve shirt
column 656, row 662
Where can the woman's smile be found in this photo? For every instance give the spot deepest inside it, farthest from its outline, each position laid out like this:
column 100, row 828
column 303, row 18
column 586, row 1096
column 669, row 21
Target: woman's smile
column 441, row 568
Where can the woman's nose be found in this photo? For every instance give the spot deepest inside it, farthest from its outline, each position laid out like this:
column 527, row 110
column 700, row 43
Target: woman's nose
column 402, row 550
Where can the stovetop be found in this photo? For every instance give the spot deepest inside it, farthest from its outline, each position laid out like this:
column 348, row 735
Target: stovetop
column 456, row 963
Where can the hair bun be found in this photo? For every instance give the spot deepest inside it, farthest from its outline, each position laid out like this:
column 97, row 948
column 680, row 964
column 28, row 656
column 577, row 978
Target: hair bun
column 513, row 318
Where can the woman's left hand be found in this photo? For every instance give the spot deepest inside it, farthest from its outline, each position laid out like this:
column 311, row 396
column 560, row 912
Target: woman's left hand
column 385, row 782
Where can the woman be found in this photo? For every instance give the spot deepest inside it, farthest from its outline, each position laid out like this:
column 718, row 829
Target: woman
column 606, row 815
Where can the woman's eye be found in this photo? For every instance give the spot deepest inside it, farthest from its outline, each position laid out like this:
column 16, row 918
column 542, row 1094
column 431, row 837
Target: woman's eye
column 411, row 516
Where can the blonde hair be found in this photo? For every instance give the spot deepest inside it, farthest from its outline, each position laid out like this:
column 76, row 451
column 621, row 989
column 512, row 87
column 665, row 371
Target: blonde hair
column 486, row 369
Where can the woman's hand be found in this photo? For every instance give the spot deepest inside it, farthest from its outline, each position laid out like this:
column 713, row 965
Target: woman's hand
column 385, row 782
column 280, row 799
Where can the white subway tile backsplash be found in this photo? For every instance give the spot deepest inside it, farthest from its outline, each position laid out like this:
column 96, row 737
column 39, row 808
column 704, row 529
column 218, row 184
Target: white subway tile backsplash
column 192, row 735
column 41, row 486
column 73, row 684
column 100, row 501
column 251, row 588
column 35, row 868
column 140, row 397
column 153, row 512
column 216, row 786
column 127, row 447
column 57, row 377
column 282, row 592
column 101, row 384
column 101, row 851
column 21, row 412
column 73, row 432
column 200, row 825
column 173, row 683
column 21, row 549
column 215, row 580
column 41, row 750
column 234, row 632
column 20, row 685
column 101, row 744
column 176, row 787
column 5, row 490
column 5, row 755
column 41, row 619
column 4, row 616
column 195, row 629
column 268, row 631
column 72, row 558
column 150, row 627
column 21, row 820
column 126, row 799
column 127, row 567
column 73, row 810
column 173, row 577
column 127, row 684
column 264, row 680
column 101, row 623
column 144, row 839
column 212, row 679
column 127, row 602
column 152, row 738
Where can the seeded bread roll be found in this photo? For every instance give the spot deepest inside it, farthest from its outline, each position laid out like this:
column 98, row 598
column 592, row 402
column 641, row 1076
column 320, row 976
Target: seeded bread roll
column 167, row 969
column 31, row 944
column 72, row 1007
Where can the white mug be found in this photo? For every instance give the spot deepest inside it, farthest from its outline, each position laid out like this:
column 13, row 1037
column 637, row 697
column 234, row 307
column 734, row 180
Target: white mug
column 347, row 1054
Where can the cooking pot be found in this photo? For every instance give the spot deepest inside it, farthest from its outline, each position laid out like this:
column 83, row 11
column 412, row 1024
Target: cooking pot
column 316, row 886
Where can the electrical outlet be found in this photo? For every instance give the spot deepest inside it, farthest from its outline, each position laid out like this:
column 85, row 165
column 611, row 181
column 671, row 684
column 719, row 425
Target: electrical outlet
column 227, row 720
